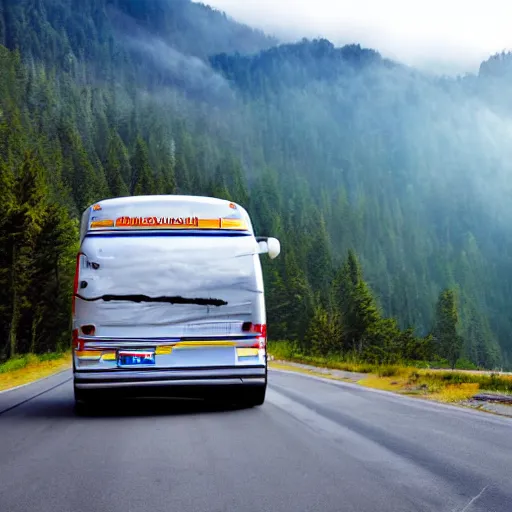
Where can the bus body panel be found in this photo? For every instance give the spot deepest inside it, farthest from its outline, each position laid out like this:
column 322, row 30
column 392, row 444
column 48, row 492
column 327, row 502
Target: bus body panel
column 156, row 299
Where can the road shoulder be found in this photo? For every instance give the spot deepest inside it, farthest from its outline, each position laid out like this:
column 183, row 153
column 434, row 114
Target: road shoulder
column 25, row 369
column 12, row 398
column 388, row 386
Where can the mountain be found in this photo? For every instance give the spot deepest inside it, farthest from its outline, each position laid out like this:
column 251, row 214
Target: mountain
column 49, row 30
column 295, row 65
column 424, row 160
column 148, row 43
column 331, row 149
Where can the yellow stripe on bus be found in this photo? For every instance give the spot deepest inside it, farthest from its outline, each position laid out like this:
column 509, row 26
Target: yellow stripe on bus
column 205, row 344
column 247, row 352
column 163, row 350
column 89, row 354
column 102, row 224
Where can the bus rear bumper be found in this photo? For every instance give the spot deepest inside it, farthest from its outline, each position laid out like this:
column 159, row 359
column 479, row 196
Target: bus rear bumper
column 172, row 383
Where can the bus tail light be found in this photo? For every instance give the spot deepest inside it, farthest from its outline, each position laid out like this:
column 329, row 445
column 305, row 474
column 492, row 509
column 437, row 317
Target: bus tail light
column 260, row 330
column 77, row 343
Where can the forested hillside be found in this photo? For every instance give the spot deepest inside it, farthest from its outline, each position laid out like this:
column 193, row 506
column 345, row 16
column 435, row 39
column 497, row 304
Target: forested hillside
column 329, row 148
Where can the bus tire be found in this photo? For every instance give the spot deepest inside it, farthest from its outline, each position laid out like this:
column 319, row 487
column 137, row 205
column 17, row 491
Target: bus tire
column 82, row 398
column 256, row 397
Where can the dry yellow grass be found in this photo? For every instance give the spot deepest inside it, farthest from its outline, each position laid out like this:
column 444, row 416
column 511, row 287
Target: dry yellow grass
column 34, row 369
column 433, row 390
column 406, row 381
column 384, row 383
column 456, row 393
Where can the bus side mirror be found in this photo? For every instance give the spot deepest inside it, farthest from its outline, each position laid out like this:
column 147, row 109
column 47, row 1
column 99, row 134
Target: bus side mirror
column 270, row 246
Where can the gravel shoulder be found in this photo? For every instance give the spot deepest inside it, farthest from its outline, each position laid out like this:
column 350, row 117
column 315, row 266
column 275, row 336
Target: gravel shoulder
column 354, row 377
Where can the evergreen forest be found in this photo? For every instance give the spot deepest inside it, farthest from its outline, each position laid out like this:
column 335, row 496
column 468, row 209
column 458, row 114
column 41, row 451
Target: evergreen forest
column 389, row 188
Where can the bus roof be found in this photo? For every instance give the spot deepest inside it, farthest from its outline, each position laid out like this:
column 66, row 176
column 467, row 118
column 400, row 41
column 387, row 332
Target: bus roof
column 164, row 212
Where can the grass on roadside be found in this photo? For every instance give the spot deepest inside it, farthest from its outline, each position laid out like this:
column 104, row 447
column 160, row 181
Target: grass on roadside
column 285, row 351
column 425, row 387
column 439, row 385
column 443, row 386
column 24, row 369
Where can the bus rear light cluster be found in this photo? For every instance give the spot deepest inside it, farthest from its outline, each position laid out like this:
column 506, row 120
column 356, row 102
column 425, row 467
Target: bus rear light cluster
column 77, row 343
column 260, row 330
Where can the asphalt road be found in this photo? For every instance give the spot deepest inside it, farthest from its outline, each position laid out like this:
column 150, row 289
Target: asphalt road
column 314, row 446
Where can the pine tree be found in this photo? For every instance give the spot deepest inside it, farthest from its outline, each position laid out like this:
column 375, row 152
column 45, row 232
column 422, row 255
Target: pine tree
column 323, row 332
column 362, row 314
column 382, row 342
column 277, row 303
column 87, row 184
column 219, row 187
column 183, row 172
column 23, row 226
column 55, row 248
column 353, row 298
column 235, row 180
column 117, row 166
column 448, row 340
column 320, row 259
column 7, row 206
column 143, row 181
column 168, row 179
column 299, row 300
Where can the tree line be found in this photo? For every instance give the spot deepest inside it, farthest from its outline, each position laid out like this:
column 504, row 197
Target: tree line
column 350, row 324
column 47, row 177
column 329, row 149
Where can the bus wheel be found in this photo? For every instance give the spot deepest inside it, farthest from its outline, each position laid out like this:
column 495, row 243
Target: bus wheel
column 255, row 397
column 82, row 398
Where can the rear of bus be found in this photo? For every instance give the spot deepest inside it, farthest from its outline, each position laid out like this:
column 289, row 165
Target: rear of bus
column 168, row 300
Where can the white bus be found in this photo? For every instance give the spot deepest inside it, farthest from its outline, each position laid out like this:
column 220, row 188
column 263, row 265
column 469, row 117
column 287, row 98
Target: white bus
column 168, row 300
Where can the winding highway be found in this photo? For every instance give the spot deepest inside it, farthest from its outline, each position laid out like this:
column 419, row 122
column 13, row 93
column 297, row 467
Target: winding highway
column 315, row 445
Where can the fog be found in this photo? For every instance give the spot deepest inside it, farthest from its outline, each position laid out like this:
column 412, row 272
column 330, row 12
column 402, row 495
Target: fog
column 187, row 73
column 443, row 36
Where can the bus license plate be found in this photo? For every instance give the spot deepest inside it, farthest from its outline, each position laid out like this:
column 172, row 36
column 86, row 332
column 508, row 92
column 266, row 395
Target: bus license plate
column 136, row 357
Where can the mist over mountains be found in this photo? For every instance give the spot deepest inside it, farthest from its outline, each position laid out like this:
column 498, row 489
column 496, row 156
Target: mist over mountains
column 331, row 149
column 438, row 37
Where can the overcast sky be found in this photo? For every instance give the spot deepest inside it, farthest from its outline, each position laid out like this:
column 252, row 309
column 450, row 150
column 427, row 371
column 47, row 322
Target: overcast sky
column 449, row 36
